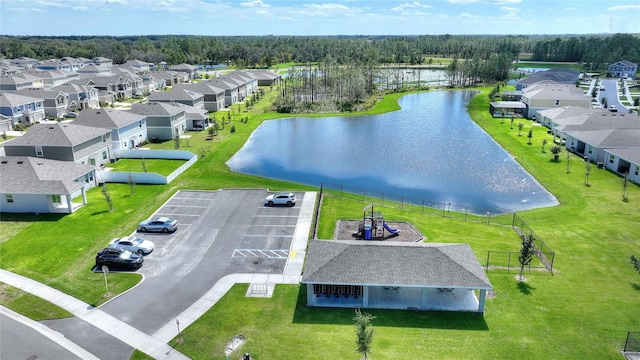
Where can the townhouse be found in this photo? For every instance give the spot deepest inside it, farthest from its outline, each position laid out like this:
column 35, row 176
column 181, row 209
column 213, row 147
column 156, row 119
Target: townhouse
column 21, row 109
column 128, row 129
column 164, row 121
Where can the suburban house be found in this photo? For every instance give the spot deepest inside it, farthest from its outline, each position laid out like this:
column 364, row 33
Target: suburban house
column 38, row 185
column 137, row 84
column 190, row 70
column 18, row 82
column 592, row 144
column 51, row 79
column 245, row 80
column 80, row 96
column 265, row 77
column 152, row 83
column 103, row 62
column 196, row 118
column 65, row 142
column 116, row 84
column 547, row 94
column 93, row 69
column 624, row 161
column 21, row 109
column 394, row 275
column 128, row 129
column 169, row 77
column 138, row 65
column 56, row 103
column 231, row 90
column 558, row 75
column 213, row 96
column 164, row 121
column 24, row 62
column 178, row 95
column 5, row 124
column 623, row 69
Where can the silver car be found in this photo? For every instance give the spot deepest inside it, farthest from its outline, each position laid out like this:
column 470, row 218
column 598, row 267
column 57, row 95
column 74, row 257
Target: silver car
column 133, row 244
column 159, row 224
column 283, row 198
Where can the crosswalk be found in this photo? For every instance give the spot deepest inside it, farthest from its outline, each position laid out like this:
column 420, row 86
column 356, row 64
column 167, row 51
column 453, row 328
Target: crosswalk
column 278, row 254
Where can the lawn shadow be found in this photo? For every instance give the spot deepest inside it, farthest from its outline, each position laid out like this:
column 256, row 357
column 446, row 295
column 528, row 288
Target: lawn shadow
column 635, row 286
column 525, row 288
column 450, row 320
column 99, row 212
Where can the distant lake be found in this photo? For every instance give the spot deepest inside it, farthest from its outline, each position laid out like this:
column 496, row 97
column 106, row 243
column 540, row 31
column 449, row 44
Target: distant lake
column 429, row 150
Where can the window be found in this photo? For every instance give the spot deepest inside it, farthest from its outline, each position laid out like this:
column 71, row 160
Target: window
column 139, row 123
column 104, row 155
column 104, row 138
column 39, row 152
column 611, row 158
column 557, row 102
column 9, row 198
column 55, row 199
column 637, row 170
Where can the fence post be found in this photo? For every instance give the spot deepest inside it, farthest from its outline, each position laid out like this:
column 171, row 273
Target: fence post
column 509, row 263
column 382, row 200
column 466, row 210
column 487, row 266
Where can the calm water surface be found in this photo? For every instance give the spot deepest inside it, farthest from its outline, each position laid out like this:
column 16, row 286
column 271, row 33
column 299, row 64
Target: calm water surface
column 430, row 150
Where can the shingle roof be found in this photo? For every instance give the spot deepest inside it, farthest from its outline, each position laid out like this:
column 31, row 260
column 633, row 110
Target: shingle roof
column 606, row 138
column 107, row 118
column 632, row 155
column 58, row 134
column 550, row 90
column 175, row 94
column 30, row 175
column 156, row 108
column 393, row 264
column 12, row 99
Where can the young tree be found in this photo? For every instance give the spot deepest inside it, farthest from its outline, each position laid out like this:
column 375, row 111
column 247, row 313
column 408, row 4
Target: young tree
column 176, row 142
column 526, row 253
column 107, row 196
column 364, row 332
column 636, row 263
column 520, row 127
column 555, row 150
column 625, row 184
column 587, row 172
column 530, row 136
column 132, row 184
column 544, row 143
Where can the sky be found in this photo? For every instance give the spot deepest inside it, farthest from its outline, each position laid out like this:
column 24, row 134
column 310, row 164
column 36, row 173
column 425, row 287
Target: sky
column 317, row 17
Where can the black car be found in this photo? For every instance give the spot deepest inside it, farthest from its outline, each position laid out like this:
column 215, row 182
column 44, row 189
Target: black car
column 117, row 258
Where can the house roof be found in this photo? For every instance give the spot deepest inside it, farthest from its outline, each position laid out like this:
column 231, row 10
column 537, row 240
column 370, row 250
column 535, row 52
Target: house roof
column 552, row 90
column 632, row 155
column 41, row 93
column 11, row 99
column 156, row 109
column 202, row 87
column 622, row 63
column 557, row 75
column 420, row 264
column 174, row 94
column 107, row 118
column 264, row 74
column 509, row 104
column 607, row 138
column 192, row 112
column 58, row 134
column 598, row 119
column 31, row 175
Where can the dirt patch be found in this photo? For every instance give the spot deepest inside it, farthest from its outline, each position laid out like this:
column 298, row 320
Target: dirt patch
column 348, row 229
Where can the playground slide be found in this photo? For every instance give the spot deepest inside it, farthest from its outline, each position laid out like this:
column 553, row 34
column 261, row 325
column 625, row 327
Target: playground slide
column 393, row 231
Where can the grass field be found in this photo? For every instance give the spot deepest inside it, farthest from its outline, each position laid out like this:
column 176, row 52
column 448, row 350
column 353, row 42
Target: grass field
column 581, row 312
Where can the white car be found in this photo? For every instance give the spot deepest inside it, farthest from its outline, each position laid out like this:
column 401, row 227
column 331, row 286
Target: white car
column 283, row 198
column 134, row 244
column 613, row 108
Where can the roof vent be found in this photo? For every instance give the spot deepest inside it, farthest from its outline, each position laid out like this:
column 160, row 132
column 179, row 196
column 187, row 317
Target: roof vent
column 19, row 162
column 4, row 161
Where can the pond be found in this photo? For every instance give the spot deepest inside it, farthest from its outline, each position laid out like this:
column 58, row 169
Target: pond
column 429, row 150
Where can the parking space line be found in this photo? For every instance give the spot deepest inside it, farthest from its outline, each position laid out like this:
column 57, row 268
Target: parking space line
column 278, row 254
column 272, row 225
column 189, row 206
column 277, row 216
column 193, row 198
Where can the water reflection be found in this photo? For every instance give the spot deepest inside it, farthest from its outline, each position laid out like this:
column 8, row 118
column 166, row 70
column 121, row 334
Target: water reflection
column 429, row 150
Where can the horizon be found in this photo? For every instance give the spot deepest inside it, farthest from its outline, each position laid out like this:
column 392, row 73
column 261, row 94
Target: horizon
column 121, row 18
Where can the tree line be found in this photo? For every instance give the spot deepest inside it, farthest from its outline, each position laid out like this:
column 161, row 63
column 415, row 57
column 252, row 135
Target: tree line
column 264, row 51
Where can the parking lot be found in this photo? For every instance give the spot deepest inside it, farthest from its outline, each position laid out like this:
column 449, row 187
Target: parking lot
column 219, row 233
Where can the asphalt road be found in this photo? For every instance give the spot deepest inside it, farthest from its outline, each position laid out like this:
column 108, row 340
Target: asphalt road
column 219, row 233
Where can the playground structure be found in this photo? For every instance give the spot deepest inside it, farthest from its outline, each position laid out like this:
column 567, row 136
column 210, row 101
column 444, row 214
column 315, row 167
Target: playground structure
column 372, row 225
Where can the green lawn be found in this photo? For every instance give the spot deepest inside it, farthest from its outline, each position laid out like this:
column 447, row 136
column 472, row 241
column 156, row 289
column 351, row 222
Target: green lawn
column 160, row 166
column 581, row 312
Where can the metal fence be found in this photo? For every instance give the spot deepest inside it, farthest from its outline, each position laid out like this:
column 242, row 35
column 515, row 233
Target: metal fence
column 543, row 251
column 632, row 344
column 426, row 207
column 465, row 213
column 509, row 260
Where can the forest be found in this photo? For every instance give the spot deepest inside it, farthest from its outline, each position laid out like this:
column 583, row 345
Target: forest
column 264, row 51
column 342, row 73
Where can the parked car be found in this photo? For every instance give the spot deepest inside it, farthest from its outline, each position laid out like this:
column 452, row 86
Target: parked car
column 118, row 258
column 159, row 224
column 283, row 198
column 613, row 108
column 134, row 244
